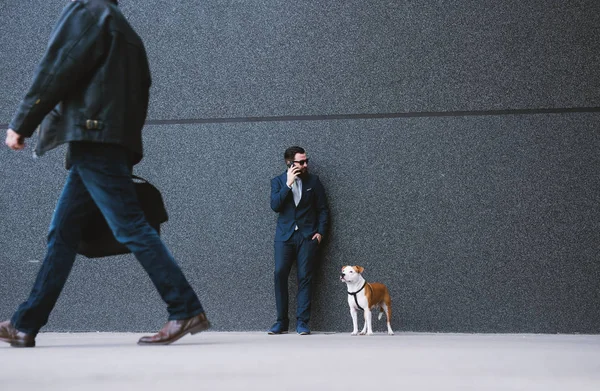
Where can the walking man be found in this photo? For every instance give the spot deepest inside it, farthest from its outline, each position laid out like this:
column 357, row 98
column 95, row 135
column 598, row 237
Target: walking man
column 299, row 198
column 91, row 90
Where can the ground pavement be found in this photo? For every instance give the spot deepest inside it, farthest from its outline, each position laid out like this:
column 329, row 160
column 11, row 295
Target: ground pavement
column 322, row 361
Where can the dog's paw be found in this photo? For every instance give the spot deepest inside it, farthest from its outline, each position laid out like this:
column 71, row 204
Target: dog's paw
column 390, row 333
column 370, row 333
column 354, row 334
column 362, row 332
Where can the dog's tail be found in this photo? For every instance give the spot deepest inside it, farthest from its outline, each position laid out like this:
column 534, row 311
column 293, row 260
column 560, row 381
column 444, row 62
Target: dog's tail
column 381, row 312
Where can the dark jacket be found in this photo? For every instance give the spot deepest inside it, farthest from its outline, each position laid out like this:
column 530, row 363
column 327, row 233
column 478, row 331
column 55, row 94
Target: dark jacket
column 311, row 215
column 92, row 83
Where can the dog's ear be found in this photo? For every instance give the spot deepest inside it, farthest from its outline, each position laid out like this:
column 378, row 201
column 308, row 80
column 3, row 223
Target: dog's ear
column 359, row 269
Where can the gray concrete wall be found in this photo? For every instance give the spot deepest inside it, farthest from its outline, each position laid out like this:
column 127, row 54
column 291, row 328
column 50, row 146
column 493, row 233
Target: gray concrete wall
column 458, row 143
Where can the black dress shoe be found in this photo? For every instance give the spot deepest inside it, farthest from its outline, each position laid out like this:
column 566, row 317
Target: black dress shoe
column 176, row 329
column 15, row 337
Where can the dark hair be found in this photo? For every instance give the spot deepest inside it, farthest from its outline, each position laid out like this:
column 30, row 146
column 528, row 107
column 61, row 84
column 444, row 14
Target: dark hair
column 291, row 152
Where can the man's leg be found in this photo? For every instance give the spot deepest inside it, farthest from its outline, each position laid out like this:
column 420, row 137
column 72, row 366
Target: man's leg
column 307, row 251
column 285, row 255
column 107, row 177
column 63, row 238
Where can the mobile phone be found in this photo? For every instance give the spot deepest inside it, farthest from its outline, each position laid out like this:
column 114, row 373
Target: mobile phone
column 290, row 164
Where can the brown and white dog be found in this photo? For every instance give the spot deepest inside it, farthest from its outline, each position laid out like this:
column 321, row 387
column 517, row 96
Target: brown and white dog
column 366, row 296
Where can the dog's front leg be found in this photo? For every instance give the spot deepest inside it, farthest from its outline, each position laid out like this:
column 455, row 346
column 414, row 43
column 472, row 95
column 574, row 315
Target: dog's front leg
column 368, row 327
column 354, row 314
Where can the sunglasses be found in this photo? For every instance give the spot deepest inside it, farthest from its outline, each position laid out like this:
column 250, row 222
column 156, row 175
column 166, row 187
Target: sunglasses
column 301, row 162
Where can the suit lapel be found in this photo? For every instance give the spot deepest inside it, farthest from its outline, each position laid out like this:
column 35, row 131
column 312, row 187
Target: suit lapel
column 306, row 186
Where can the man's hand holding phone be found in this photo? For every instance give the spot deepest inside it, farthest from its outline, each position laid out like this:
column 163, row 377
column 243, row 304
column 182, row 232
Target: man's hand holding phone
column 292, row 174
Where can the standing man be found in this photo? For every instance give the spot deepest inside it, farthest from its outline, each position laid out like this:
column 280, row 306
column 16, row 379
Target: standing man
column 299, row 198
column 95, row 75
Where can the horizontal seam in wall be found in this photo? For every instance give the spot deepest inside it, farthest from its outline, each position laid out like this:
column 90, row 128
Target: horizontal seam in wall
column 327, row 117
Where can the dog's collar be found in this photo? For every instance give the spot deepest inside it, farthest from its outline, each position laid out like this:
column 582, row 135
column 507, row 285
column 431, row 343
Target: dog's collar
column 355, row 293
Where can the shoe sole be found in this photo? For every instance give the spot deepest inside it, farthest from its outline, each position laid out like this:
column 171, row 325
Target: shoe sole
column 274, row 333
column 194, row 330
column 22, row 345
column 304, row 333
column 16, row 344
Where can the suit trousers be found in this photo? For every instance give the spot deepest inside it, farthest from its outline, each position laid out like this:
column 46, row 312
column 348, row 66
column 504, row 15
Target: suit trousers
column 303, row 251
column 100, row 177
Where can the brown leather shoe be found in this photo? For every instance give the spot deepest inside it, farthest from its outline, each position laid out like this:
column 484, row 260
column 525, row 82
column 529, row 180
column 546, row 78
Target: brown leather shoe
column 175, row 329
column 14, row 337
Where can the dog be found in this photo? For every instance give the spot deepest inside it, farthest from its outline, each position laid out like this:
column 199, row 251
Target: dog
column 366, row 296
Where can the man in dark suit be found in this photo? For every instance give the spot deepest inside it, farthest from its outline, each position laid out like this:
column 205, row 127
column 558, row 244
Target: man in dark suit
column 95, row 75
column 299, row 198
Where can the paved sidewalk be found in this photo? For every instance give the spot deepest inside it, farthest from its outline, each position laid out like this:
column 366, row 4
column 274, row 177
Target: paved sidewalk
column 322, row 361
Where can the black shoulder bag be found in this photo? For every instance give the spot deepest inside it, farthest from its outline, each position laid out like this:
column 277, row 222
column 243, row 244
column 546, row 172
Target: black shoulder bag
column 97, row 239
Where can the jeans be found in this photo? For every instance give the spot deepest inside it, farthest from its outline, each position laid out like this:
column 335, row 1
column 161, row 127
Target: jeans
column 304, row 252
column 100, row 177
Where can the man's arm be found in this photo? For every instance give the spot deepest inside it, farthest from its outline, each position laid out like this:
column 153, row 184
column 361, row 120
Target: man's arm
column 278, row 194
column 74, row 49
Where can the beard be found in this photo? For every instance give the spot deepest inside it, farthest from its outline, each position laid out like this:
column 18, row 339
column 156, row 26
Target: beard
column 303, row 172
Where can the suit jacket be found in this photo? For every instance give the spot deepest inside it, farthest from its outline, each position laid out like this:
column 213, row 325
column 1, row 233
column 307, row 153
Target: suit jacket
column 95, row 75
column 311, row 215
